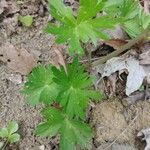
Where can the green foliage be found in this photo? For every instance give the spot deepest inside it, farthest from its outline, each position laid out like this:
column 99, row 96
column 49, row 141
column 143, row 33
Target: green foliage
column 88, row 24
column 8, row 134
column 70, row 88
column 26, row 20
column 72, row 132
column 82, row 27
column 40, row 86
column 72, row 91
column 134, row 18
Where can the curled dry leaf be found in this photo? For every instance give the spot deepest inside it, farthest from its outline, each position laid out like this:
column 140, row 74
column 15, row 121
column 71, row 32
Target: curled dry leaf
column 116, row 43
column 136, row 72
column 19, row 60
column 58, row 58
column 136, row 96
column 144, row 134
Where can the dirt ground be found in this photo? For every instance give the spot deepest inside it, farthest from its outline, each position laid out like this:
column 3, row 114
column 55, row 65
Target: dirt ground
column 109, row 118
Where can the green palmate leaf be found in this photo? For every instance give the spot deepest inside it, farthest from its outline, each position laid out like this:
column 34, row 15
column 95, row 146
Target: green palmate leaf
column 144, row 19
column 71, row 132
column 89, row 9
column 3, row 132
column 80, row 28
column 26, row 20
column 12, row 127
column 75, row 89
column 40, row 86
column 9, row 132
column 14, row 138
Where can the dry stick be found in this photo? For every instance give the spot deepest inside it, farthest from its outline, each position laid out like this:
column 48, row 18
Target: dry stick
column 123, row 48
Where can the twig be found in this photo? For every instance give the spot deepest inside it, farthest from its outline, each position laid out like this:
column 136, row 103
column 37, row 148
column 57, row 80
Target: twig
column 123, row 48
column 123, row 131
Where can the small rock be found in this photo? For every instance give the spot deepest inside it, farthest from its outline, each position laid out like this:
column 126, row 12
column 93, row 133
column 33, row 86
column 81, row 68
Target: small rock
column 15, row 78
column 42, row 147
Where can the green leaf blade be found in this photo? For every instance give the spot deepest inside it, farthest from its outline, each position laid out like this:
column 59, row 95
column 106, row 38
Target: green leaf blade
column 40, row 86
column 14, row 138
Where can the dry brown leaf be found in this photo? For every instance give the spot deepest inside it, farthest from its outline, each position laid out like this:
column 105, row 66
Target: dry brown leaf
column 59, row 58
column 116, row 43
column 19, row 60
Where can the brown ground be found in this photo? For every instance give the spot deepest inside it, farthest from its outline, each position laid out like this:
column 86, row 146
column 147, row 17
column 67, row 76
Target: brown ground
column 109, row 118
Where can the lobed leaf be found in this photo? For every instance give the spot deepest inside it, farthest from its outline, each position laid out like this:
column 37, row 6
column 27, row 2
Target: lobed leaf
column 83, row 27
column 40, row 86
column 71, row 132
column 75, row 89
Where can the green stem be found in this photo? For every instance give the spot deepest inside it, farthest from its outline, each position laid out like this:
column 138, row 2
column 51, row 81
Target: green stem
column 5, row 145
column 123, row 48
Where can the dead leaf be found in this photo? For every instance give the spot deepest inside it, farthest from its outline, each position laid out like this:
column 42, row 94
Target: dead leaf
column 116, row 43
column 145, row 58
column 117, row 33
column 136, row 72
column 144, row 134
column 19, row 60
column 59, row 58
column 136, row 96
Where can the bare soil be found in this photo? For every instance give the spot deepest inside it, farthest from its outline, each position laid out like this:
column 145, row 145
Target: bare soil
column 109, row 118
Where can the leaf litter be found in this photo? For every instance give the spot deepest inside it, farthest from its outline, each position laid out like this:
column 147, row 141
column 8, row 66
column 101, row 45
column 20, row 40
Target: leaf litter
column 19, row 60
column 137, row 72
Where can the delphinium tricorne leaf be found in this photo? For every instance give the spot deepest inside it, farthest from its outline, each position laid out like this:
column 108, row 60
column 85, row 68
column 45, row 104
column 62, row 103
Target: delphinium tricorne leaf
column 75, row 89
column 40, row 86
column 130, row 12
column 71, row 131
column 83, row 27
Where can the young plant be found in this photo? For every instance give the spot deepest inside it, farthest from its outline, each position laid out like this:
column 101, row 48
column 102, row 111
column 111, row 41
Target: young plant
column 8, row 134
column 67, row 92
column 83, row 27
column 71, row 90
column 89, row 24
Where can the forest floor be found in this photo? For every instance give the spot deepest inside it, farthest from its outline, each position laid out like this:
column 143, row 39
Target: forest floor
column 115, row 122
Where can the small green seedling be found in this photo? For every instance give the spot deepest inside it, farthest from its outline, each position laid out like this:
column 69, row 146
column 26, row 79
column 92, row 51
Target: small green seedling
column 72, row 91
column 8, row 134
column 67, row 92
column 26, row 20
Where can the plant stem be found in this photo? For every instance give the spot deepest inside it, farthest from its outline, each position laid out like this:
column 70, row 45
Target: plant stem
column 122, row 48
column 5, row 145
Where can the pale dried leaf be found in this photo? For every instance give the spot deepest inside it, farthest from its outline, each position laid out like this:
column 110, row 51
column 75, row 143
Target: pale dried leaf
column 136, row 72
column 19, row 60
column 136, row 96
column 145, row 58
column 144, row 134
column 117, row 33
